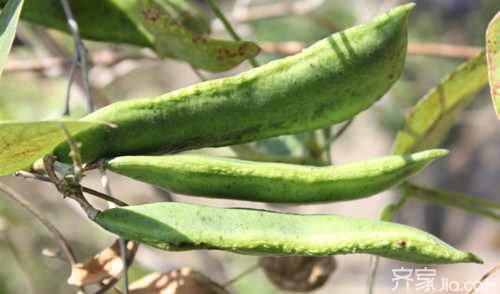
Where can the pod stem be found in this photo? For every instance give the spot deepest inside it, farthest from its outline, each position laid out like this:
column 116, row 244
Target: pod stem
column 390, row 210
column 372, row 274
column 229, row 28
column 122, row 241
column 331, row 139
column 243, row 274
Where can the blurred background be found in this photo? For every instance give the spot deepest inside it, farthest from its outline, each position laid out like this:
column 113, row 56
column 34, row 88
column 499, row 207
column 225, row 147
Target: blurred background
column 34, row 86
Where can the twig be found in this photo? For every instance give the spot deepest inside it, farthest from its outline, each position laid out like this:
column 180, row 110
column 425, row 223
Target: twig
column 105, row 58
column 128, row 261
column 55, row 49
column 103, row 196
column 75, row 156
column 71, row 78
column 70, row 187
column 46, row 222
column 35, row 64
column 90, row 191
column 373, row 273
column 223, row 19
column 284, row 48
column 486, row 276
column 426, row 49
column 198, row 74
column 69, row 184
column 123, row 255
column 337, row 135
column 444, row 50
column 329, row 140
column 81, row 56
column 122, row 241
column 246, row 272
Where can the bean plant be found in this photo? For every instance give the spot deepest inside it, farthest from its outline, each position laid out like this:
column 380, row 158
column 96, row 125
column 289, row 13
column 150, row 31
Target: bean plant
column 170, row 141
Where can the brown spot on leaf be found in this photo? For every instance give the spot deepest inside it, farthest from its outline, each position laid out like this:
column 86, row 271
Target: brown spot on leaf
column 200, row 39
column 223, row 55
column 150, row 14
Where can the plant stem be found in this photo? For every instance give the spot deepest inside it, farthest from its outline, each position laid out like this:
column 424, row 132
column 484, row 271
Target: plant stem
column 246, row 272
column 373, row 272
column 456, row 200
column 81, row 56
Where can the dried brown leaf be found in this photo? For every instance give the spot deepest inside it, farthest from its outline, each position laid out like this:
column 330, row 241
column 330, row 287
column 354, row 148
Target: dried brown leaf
column 105, row 264
column 181, row 281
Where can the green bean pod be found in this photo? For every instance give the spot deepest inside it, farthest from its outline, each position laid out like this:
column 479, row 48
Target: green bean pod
column 327, row 83
column 209, row 176
column 181, row 226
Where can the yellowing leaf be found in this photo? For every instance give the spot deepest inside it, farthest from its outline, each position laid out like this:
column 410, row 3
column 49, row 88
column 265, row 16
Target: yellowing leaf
column 435, row 113
column 493, row 59
column 22, row 143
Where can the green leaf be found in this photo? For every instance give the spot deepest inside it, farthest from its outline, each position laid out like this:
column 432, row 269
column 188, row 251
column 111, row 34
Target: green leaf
column 114, row 21
column 493, row 59
column 22, row 143
column 435, row 113
column 171, row 39
column 8, row 23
